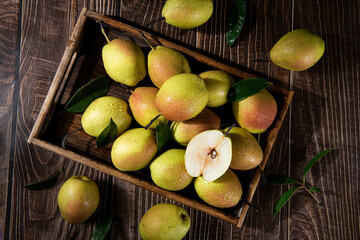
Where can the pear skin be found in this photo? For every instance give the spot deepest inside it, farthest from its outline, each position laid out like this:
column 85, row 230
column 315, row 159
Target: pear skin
column 124, row 61
column 183, row 132
column 187, row 14
column 98, row 114
column 297, row 50
column 218, row 84
column 134, row 149
column 143, row 108
column 164, row 63
column 255, row 113
column 168, row 170
column 224, row 192
column 182, row 97
column 247, row 153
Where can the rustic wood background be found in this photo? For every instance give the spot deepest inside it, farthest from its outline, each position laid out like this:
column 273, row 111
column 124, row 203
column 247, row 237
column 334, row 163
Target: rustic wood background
column 324, row 114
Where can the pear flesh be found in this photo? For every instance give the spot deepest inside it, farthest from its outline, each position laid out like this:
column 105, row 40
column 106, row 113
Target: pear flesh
column 297, row 50
column 124, row 61
column 187, row 14
column 208, row 154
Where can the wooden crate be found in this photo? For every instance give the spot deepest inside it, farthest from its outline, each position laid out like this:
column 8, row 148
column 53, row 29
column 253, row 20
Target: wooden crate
column 81, row 62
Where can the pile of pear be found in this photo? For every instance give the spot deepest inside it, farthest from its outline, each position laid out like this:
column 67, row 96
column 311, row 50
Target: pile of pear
column 190, row 104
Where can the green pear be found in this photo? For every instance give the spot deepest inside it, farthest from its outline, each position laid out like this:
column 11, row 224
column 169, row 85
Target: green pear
column 297, row 50
column 98, row 114
column 183, row 132
column 168, row 170
column 247, row 153
column 134, row 149
column 78, row 199
column 218, row 84
column 143, row 108
column 187, row 13
column 224, row 192
column 182, row 97
column 124, row 61
column 164, row 221
column 255, row 113
column 164, row 63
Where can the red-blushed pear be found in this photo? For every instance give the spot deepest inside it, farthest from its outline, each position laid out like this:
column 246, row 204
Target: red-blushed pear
column 246, row 151
column 224, row 192
column 183, row 132
column 218, row 84
column 134, row 149
column 168, row 170
column 164, row 221
column 208, row 154
column 164, row 63
column 78, row 199
column 182, row 97
column 98, row 114
column 143, row 108
column 255, row 113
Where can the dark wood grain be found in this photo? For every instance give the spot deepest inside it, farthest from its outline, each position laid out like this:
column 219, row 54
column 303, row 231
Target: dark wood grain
column 324, row 114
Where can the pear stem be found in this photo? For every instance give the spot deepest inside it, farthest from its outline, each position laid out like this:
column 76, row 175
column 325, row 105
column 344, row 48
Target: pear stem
column 152, row 121
column 103, row 32
column 68, row 134
column 229, row 129
column 251, row 205
column 146, row 40
column 155, row 21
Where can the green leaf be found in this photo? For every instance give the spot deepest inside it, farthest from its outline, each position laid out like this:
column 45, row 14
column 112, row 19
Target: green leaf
column 246, row 88
column 87, row 94
column 44, row 184
column 315, row 189
column 163, row 136
column 279, row 179
column 315, row 159
column 102, row 229
column 283, row 199
column 235, row 21
column 108, row 135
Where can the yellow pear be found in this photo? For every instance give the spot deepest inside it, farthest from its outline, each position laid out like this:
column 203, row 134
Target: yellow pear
column 98, row 114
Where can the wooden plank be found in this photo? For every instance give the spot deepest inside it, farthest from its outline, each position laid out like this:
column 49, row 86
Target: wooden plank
column 326, row 115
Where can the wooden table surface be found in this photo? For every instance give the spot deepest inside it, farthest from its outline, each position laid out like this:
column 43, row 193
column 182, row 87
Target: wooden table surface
column 324, row 114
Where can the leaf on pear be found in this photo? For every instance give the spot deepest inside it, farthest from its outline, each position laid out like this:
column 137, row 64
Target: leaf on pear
column 279, row 179
column 246, row 88
column 283, row 199
column 315, row 159
column 108, row 135
column 315, row 189
column 163, row 136
column 44, row 184
column 102, row 229
column 235, row 21
column 87, row 94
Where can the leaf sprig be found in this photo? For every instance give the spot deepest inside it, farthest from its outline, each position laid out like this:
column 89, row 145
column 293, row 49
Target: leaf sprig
column 279, row 179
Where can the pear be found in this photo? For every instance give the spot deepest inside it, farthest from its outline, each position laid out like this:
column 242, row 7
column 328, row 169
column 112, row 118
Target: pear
column 224, row 192
column 255, row 113
column 143, row 108
column 164, row 63
column 218, row 84
column 98, row 114
column 134, row 149
column 182, row 97
column 164, row 221
column 183, row 132
column 208, row 154
column 124, row 61
column 187, row 14
column 78, row 199
column 246, row 151
column 297, row 50
column 168, row 170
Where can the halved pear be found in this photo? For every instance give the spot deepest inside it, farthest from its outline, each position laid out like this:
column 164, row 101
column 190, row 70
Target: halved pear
column 208, row 154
